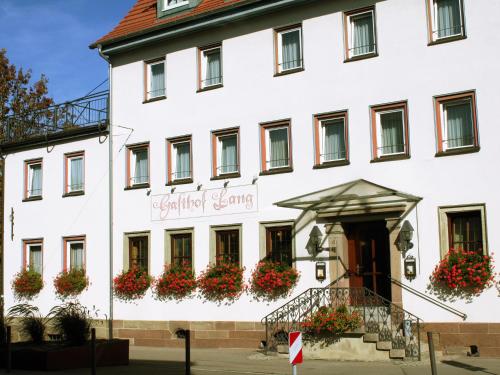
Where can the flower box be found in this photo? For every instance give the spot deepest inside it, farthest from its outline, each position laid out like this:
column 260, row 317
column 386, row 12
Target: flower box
column 273, row 280
column 221, row 282
column 70, row 283
column 27, row 284
column 131, row 285
column 177, row 282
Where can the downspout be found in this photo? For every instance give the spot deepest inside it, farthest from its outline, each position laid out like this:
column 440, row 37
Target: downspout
column 110, row 191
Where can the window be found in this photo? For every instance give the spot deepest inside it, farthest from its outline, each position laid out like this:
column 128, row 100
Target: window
column 456, row 123
column 138, row 165
column 276, row 146
column 227, row 246
column 181, row 248
column 360, row 35
column 74, row 173
column 33, row 259
column 74, row 251
column 170, row 4
column 33, row 179
column 331, row 139
column 288, row 44
column 390, row 131
column 279, row 244
column 155, row 79
column 179, row 160
column 446, row 20
column 210, row 70
column 225, row 151
column 138, row 253
column 463, row 227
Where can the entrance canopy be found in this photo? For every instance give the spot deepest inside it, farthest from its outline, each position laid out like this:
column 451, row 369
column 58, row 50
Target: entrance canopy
column 353, row 198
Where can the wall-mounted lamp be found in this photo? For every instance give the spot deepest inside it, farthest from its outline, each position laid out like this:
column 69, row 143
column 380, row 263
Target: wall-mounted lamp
column 199, row 186
column 320, row 271
column 226, row 183
column 172, row 190
column 315, row 241
column 254, row 179
column 405, row 237
column 410, row 265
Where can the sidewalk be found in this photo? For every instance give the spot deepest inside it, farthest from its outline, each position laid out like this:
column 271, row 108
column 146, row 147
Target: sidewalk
column 149, row 361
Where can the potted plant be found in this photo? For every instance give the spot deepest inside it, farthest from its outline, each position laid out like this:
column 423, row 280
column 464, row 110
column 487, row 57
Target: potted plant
column 332, row 320
column 31, row 322
column 175, row 283
column 461, row 274
column 221, row 282
column 27, row 284
column 273, row 280
column 131, row 285
column 70, row 283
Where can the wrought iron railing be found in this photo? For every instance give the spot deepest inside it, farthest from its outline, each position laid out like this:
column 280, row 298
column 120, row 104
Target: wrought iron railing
column 387, row 320
column 84, row 112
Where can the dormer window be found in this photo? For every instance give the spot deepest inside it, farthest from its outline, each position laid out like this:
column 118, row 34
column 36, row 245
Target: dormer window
column 171, row 4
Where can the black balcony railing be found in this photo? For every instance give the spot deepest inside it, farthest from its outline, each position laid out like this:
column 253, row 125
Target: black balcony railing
column 92, row 110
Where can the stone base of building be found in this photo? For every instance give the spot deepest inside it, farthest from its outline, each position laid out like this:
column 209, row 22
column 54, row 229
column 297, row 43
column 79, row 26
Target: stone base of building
column 457, row 338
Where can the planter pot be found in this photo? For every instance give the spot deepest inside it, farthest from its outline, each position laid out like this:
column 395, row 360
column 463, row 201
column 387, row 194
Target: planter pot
column 50, row 356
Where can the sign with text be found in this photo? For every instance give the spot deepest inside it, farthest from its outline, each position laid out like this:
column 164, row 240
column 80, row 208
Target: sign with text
column 211, row 202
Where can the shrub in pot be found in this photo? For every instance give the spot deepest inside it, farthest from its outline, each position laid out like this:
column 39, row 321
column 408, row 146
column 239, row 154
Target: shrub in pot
column 73, row 321
column 27, row 284
column 221, row 282
column 333, row 320
column 31, row 322
column 175, row 283
column 70, row 283
column 132, row 284
column 273, row 280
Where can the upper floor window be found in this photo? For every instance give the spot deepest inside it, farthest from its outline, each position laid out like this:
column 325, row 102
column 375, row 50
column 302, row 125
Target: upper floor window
column 155, row 79
column 360, row 34
column 331, row 139
column 225, row 144
column 276, row 146
column 210, row 70
column 74, row 251
column 33, row 250
column 74, row 173
column 390, row 131
column 33, row 179
column 138, row 165
column 171, row 4
column 288, row 44
column 179, row 160
column 456, row 123
column 446, row 20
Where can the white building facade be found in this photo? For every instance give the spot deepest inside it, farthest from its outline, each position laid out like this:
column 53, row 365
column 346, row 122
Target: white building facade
column 227, row 118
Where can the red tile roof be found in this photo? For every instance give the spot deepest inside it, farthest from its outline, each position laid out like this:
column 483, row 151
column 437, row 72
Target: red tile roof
column 143, row 16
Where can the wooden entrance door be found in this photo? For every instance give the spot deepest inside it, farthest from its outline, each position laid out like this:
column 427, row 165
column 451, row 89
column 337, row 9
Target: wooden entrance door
column 369, row 257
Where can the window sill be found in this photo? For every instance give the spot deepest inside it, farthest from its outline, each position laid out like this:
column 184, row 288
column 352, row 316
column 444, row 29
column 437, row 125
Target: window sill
column 276, row 171
column 458, row 151
column 332, row 164
column 138, row 186
column 73, row 194
column 183, row 181
column 208, row 88
column 290, row 71
column 447, row 40
column 152, row 100
column 32, row 199
column 361, row 57
column 381, row 159
column 226, row 176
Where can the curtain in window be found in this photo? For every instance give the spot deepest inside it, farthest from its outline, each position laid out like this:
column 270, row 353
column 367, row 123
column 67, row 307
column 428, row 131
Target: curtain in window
column 35, row 259
column 392, row 134
column 448, row 18
column 76, row 182
column 229, row 154
column 76, row 256
column 334, row 140
column 214, row 75
column 459, row 125
column 467, row 232
column 278, row 141
column 157, row 80
column 291, row 50
column 363, row 39
column 141, row 175
column 36, row 180
column 183, row 161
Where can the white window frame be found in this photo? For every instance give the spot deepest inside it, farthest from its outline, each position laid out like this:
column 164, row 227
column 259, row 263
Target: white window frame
column 69, row 158
column 29, row 171
column 350, row 30
column 444, row 122
column 69, row 242
column 204, row 65
column 220, row 137
column 280, row 48
column 149, row 95
column 173, row 6
column 434, row 14
column 379, row 132
column 322, row 129
column 173, row 159
column 132, row 162
column 268, row 146
column 29, row 245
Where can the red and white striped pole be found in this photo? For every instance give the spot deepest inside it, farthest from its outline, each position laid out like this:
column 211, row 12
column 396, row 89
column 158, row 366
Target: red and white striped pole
column 295, row 350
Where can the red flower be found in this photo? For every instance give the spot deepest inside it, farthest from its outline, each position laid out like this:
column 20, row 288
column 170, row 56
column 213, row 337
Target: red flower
column 273, row 280
column 222, row 282
column 27, row 284
column 70, row 283
column 131, row 284
column 176, row 282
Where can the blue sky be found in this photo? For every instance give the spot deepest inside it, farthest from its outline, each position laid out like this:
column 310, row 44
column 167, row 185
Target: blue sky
column 52, row 37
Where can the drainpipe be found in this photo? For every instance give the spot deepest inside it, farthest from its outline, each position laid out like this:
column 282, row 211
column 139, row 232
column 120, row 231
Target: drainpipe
column 110, row 191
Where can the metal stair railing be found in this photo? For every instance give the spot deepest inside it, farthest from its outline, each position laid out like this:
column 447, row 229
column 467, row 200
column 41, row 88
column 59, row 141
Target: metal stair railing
column 388, row 321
